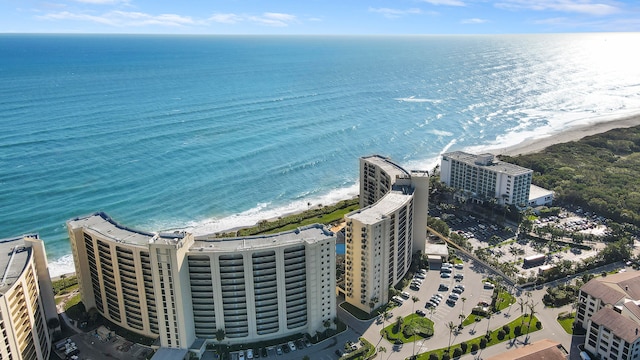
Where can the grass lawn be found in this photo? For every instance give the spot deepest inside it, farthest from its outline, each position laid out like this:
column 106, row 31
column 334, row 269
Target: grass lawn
column 412, row 321
column 471, row 319
column 492, row 339
column 567, row 323
column 504, row 300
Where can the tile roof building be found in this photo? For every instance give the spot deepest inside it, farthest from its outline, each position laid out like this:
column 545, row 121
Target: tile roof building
column 540, row 350
column 609, row 309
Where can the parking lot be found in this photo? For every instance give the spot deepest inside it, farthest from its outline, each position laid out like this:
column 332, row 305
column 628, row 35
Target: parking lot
column 91, row 347
column 447, row 309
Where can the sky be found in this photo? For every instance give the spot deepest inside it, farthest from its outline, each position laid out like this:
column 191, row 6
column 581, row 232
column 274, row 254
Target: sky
column 318, row 17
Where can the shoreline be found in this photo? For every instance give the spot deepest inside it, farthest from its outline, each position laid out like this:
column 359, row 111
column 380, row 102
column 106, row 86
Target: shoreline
column 533, row 145
column 569, row 134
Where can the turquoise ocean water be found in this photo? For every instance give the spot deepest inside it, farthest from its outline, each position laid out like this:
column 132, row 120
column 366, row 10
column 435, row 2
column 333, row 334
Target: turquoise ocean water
column 212, row 132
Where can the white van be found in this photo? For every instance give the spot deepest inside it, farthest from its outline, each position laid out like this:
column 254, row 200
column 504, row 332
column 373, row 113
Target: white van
column 584, row 356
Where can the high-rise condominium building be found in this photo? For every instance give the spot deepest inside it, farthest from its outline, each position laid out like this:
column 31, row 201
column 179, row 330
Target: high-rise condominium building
column 482, row 178
column 188, row 290
column 27, row 310
column 383, row 234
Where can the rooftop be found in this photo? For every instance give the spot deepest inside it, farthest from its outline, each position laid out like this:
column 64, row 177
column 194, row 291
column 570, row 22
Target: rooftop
column 542, row 349
column 392, row 169
column 310, row 233
column 170, row 354
column 14, row 256
column 495, row 165
column 622, row 326
column 389, row 203
column 536, row 192
column 615, row 287
column 103, row 224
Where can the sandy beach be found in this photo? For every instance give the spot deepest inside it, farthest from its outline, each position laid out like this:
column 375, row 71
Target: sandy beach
column 570, row 134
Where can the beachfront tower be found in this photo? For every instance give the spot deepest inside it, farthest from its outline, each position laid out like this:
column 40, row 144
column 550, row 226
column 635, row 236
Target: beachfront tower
column 192, row 289
column 385, row 232
column 28, row 314
column 481, row 178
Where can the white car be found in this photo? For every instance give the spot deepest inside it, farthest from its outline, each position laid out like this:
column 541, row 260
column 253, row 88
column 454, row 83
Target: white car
column 241, row 355
column 292, row 346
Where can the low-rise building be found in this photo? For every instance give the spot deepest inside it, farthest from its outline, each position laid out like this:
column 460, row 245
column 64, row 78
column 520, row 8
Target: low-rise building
column 609, row 310
column 542, row 349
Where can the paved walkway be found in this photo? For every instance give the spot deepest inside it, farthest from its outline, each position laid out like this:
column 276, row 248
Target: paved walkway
column 551, row 330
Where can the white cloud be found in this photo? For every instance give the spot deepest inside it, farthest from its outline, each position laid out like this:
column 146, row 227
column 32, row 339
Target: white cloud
column 474, row 21
column 446, row 2
column 225, row 18
column 588, row 7
column 268, row 19
column 273, row 19
column 395, row 13
column 104, row 2
column 124, row 18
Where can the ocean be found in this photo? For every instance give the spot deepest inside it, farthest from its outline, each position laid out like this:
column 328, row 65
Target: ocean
column 207, row 133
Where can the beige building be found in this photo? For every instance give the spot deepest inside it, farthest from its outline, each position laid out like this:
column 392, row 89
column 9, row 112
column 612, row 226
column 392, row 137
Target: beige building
column 609, row 309
column 192, row 289
column 482, row 178
column 384, row 233
column 26, row 300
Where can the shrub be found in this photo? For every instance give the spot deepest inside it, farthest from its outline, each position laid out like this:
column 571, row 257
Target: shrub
column 464, row 346
column 433, row 356
column 457, row 352
column 446, row 356
column 501, row 334
column 517, row 331
column 474, row 347
column 538, row 325
column 483, row 342
column 506, row 329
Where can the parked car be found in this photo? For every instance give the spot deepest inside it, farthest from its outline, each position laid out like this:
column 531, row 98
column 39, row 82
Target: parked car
column 445, row 275
column 420, row 312
column 292, row 346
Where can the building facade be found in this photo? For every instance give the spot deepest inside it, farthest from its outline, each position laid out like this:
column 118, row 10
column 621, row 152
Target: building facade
column 384, row 233
column 27, row 307
column 241, row 290
column 482, row 178
column 609, row 310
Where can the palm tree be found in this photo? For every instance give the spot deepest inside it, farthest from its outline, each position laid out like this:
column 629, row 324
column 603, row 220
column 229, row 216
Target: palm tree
column 451, row 327
column 415, row 299
column 489, row 314
column 461, row 316
column 521, row 302
column 382, row 349
column 532, row 311
column 463, row 299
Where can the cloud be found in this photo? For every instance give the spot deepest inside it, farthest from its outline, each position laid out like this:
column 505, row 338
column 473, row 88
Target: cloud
column 225, row 18
column 588, row 7
column 446, row 2
column 474, row 21
column 124, row 18
column 103, row 2
column 395, row 13
column 273, row 19
column 267, row 19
